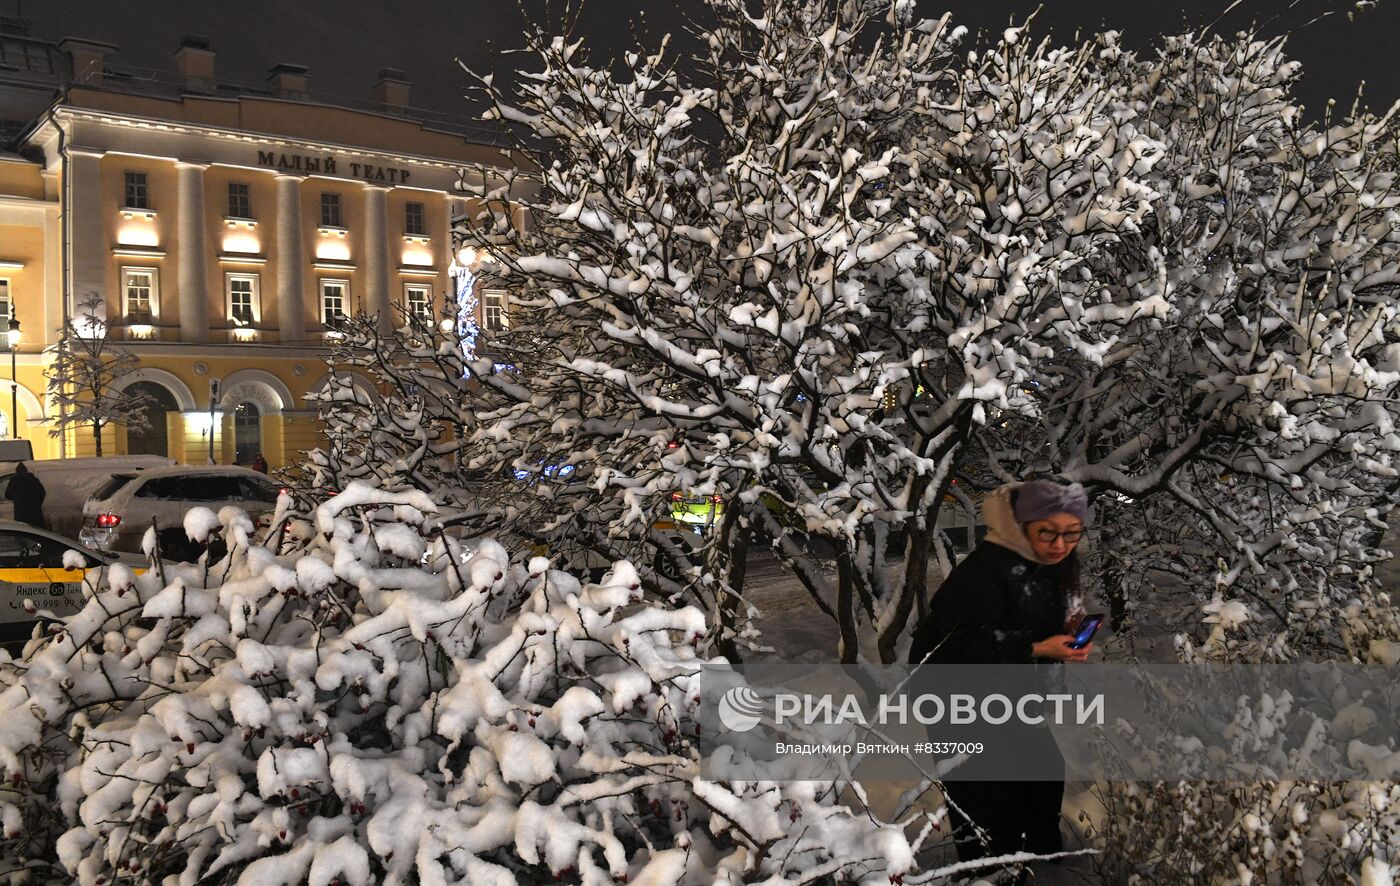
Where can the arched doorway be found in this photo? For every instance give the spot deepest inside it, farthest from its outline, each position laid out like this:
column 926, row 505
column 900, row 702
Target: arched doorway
column 150, row 437
column 247, row 433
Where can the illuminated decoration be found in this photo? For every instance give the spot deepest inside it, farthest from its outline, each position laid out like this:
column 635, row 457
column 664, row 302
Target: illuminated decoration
column 463, row 271
column 243, row 333
column 139, row 330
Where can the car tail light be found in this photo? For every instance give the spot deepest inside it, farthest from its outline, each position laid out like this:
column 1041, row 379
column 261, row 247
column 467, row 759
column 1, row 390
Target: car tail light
column 284, row 490
column 716, row 498
column 677, row 496
column 108, row 521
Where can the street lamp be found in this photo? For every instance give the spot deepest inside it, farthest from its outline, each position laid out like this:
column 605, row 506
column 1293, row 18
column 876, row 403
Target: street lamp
column 14, row 378
column 213, row 401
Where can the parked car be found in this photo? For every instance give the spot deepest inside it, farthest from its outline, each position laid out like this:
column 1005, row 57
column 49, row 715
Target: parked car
column 34, row 569
column 116, row 516
column 69, row 481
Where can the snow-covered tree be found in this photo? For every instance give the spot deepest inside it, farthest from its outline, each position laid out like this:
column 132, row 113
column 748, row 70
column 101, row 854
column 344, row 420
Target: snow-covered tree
column 824, row 265
column 1249, row 419
column 83, row 373
column 368, row 701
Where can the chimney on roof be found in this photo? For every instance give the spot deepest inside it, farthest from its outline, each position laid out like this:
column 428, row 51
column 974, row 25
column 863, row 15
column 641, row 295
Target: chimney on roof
column 289, row 81
column 89, row 59
column 391, row 90
column 195, row 62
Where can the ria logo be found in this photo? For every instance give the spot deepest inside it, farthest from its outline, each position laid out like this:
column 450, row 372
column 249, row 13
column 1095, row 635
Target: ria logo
column 740, row 709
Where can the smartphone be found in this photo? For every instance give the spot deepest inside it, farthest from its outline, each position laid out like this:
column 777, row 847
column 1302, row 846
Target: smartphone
column 1087, row 629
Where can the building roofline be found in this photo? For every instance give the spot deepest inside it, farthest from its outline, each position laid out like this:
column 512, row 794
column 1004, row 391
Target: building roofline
column 62, row 109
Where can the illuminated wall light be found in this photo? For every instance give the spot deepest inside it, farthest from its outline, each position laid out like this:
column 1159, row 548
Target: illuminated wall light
column 245, row 334
column 417, row 256
column 199, row 422
column 136, row 233
column 241, row 241
column 90, row 326
column 140, row 330
column 333, row 250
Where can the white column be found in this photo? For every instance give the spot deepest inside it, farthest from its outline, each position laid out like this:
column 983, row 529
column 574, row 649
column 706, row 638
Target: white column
column 377, row 258
column 87, row 240
column 291, row 292
column 53, row 274
column 194, row 278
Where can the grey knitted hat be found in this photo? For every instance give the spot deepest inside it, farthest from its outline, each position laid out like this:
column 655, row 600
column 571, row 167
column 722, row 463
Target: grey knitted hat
column 1040, row 499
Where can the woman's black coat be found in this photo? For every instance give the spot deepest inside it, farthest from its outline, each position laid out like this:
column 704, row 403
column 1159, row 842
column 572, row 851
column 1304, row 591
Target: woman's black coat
column 990, row 609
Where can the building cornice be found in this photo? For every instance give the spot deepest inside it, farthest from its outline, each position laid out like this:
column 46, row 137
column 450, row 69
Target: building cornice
column 8, row 201
column 249, row 350
column 246, row 137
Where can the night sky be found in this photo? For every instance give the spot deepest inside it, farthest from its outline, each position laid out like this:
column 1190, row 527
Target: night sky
column 346, row 42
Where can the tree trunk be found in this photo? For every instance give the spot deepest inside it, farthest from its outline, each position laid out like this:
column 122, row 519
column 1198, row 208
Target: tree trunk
column 918, row 540
column 849, row 643
column 97, row 437
column 732, row 551
column 1115, row 594
column 913, row 587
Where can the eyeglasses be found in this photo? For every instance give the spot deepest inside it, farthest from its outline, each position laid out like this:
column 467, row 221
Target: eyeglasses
column 1050, row 536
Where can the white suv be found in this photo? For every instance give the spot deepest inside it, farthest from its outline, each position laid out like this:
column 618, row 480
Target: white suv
column 116, row 516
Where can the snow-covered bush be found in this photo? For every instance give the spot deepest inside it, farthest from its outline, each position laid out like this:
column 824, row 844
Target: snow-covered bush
column 1261, row 832
column 378, row 704
column 1200, row 829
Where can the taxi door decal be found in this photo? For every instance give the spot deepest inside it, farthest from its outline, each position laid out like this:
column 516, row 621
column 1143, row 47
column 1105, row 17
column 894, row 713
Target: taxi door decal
column 66, row 590
column 33, row 585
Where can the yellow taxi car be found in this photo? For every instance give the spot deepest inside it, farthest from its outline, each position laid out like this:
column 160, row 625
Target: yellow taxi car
column 35, row 578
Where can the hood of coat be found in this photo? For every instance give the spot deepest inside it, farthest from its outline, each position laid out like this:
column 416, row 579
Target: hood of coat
column 1000, row 519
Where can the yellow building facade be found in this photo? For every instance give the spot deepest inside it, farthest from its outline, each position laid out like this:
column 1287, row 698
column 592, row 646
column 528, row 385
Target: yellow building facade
column 224, row 232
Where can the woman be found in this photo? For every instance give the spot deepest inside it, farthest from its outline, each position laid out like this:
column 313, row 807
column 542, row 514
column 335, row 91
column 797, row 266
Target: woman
column 1014, row 600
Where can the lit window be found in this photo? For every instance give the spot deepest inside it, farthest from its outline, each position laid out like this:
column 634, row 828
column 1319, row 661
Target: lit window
column 330, row 210
column 141, row 294
column 137, row 195
column 240, row 202
column 415, row 221
column 243, row 299
column 335, row 298
column 4, row 304
column 493, row 308
column 418, row 298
